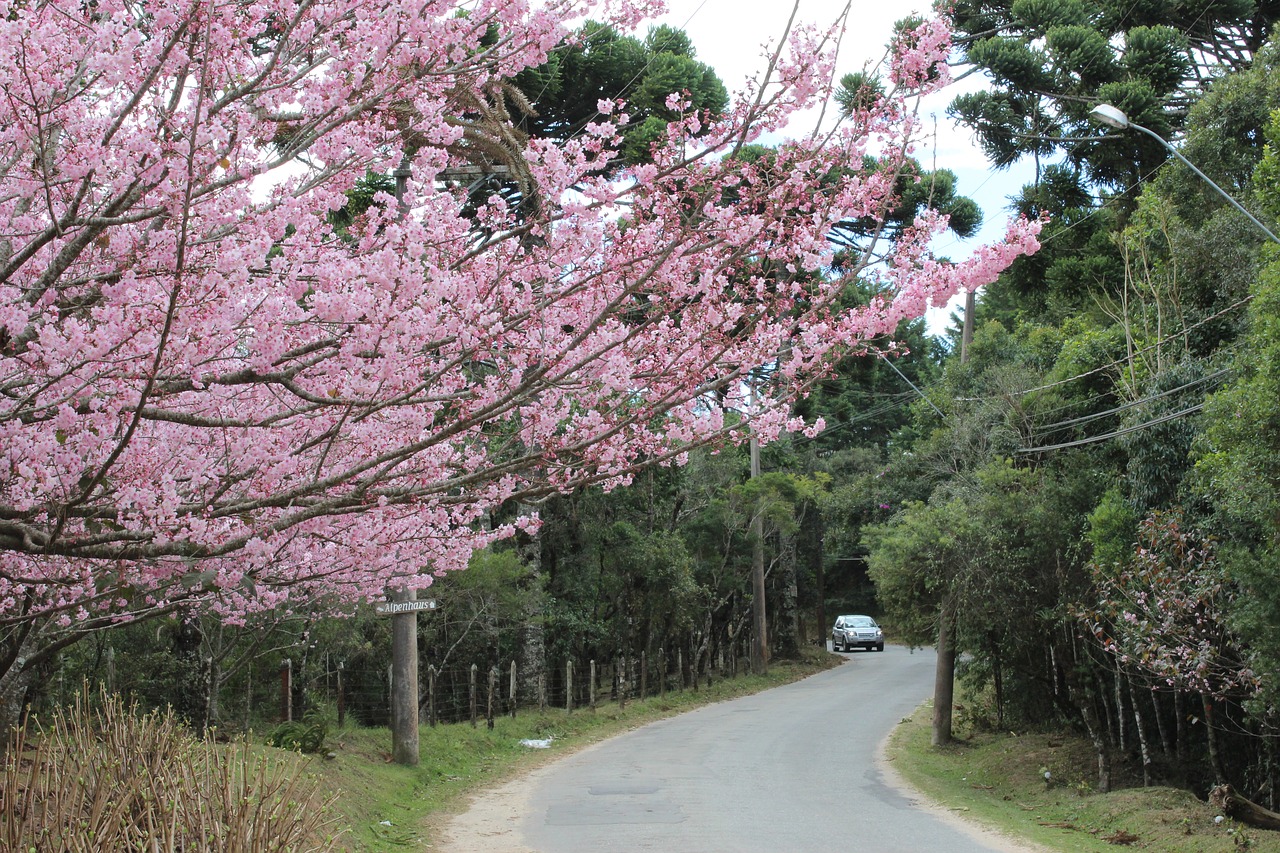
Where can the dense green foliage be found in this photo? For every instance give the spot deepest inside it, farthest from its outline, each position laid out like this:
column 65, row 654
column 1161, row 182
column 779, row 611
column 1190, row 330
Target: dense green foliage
column 1101, row 504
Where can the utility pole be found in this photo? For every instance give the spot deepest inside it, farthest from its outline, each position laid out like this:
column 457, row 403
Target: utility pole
column 944, row 676
column 404, row 625
column 760, row 644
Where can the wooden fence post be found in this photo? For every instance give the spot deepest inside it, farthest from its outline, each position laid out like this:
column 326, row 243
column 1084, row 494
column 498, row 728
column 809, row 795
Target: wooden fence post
column 620, row 669
column 286, row 690
column 644, row 677
column 568, row 686
column 542, row 691
column 493, row 688
column 475, row 669
column 512, row 693
column 592, row 688
column 662, row 671
column 431, row 695
column 680, row 668
column 342, row 698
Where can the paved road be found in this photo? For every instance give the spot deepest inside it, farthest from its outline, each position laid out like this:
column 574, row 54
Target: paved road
column 792, row 769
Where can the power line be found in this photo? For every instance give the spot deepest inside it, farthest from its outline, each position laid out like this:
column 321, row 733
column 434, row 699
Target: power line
column 1115, row 433
column 1233, row 306
column 1051, row 428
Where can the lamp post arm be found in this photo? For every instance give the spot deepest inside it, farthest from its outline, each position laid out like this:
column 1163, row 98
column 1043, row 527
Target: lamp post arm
column 1192, row 166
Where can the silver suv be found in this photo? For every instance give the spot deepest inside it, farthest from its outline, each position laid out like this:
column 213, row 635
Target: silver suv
column 852, row 632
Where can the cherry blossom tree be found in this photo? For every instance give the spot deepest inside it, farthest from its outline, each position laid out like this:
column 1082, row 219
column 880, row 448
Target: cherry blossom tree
column 212, row 396
column 1164, row 615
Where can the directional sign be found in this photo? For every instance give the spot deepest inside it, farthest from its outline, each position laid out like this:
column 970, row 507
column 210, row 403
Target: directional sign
column 390, row 608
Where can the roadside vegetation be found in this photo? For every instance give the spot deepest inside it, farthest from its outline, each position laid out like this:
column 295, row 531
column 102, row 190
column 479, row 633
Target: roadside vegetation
column 105, row 776
column 1038, row 786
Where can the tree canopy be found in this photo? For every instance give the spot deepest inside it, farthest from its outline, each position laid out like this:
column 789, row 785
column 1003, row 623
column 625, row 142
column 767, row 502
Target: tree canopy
column 213, row 394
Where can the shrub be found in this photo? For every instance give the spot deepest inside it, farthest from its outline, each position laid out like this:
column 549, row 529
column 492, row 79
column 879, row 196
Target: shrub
column 113, row 779
column 305, row 736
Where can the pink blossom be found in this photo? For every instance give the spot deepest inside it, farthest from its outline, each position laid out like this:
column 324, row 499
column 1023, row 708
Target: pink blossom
column 211, row 395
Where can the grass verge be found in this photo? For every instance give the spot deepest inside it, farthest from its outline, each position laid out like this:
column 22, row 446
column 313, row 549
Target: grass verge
column 998, row 780
column 388, row 807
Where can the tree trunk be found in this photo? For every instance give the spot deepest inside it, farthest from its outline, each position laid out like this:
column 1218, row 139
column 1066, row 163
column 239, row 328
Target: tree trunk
column 1211, row 734
column 1162, row 728
column 1093, row 724
column 787, row 618
column 15, row 686
column 1121, row 717
column 533, row 647
column 814, row 524
column 944, row 673
column 191, row 689
column 1141, row 728
column 1238, row 808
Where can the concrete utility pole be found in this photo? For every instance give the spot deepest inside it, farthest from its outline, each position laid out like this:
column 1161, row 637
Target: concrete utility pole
column 760, row 643
column 944, row 677
column 404, row 625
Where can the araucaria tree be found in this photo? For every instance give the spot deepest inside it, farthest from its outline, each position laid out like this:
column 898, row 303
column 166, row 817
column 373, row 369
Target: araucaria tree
column 214, row 392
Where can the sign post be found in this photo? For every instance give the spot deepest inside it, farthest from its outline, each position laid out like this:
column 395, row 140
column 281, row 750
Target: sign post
column 393, row 608
column 403, row 609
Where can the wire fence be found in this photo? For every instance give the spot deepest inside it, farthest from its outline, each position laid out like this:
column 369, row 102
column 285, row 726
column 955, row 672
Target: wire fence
column 474, row 693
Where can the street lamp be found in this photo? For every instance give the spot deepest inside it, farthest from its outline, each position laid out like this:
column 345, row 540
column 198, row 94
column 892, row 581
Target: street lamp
column 1114, row 117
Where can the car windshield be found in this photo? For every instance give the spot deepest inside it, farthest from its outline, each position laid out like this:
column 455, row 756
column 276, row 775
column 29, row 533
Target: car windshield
column 861, row 622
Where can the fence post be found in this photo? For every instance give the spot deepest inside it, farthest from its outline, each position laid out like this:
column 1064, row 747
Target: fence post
column 680, row 667
column 644, row 676
column 248, row 698
column 342, row 698
column 568, row 686
column 475, row 668
column 111, row 669
column 592, row 688
column 542, row 691
column 493, row 688
column 431, row 695
column 513, row 690
column 662, row 671
column 620, row 669
column 286, row 690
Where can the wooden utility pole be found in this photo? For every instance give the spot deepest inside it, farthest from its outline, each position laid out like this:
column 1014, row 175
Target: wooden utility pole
column 404, row 682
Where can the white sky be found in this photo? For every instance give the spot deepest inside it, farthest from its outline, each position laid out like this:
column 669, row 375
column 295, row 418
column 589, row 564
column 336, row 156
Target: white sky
column 730, row 36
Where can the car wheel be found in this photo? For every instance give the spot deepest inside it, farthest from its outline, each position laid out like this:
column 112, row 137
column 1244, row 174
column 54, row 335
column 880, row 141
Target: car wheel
column 880, row 647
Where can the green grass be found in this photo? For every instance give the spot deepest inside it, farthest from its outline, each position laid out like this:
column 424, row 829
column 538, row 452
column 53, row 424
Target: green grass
column 997, row 779
column 387, row 807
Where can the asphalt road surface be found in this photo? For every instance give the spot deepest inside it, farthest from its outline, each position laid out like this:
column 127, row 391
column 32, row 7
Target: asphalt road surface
column 795, row 769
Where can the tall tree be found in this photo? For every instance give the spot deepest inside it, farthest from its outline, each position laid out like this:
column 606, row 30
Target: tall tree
column 1051, row 61
column 208, row 396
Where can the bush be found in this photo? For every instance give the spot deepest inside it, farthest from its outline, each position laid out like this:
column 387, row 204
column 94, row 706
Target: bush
column 305, row 736
column 112, row 779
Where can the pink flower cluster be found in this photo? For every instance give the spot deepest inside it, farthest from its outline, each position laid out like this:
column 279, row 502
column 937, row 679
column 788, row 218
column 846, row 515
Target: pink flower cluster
column 209, row 394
